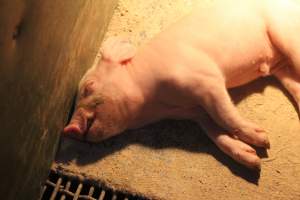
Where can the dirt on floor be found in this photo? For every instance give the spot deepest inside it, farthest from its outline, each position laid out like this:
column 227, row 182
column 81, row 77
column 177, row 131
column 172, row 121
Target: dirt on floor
column 175, row 160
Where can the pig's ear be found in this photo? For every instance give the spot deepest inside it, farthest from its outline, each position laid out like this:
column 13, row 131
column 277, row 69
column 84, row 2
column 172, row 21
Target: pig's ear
column 117, row 49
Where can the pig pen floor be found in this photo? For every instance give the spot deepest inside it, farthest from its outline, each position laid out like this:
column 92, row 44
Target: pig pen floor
column 175, row 160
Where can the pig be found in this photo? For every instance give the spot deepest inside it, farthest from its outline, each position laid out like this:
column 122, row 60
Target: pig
column 184, row 73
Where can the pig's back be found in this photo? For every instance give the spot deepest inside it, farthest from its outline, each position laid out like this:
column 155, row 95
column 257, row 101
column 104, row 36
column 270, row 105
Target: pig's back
column 232, row 33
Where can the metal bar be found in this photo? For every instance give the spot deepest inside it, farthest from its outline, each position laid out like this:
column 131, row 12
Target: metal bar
column 81, row 197
column 77, row 193
column 50, row 183
column 67, row 192
column 61, row 190
column 91, row 191
column 114, row 197
column 43, row 192
column 68, row 185
column 102, row 195
column 57, row 186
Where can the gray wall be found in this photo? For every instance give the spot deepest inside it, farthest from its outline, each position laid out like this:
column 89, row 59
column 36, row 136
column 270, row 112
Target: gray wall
column 45, row 47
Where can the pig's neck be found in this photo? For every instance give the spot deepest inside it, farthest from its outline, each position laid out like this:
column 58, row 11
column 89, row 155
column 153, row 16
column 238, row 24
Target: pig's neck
column 146, row 74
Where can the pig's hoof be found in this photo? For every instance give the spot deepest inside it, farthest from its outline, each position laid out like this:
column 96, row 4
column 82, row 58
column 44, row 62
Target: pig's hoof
column 239, row 151
column 247, row 158
column 252, row 134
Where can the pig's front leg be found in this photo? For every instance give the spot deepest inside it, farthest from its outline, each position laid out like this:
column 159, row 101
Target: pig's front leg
column 236, row 149
column 218, row 104
column 206, row 85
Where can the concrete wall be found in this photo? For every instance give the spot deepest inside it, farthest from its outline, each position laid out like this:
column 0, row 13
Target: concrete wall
column 45, row 47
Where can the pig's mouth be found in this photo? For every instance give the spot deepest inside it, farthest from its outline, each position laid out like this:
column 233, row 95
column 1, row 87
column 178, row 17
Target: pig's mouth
column 86, row 124
column 89, row 123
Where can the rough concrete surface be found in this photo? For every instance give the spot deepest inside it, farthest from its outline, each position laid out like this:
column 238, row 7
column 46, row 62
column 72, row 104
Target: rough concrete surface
column 175, row 159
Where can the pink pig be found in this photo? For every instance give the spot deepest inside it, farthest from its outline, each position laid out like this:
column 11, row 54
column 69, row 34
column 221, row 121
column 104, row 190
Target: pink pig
column 188, row 68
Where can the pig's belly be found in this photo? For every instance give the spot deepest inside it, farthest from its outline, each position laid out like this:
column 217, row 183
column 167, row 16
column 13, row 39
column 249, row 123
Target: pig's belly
column 244, row 75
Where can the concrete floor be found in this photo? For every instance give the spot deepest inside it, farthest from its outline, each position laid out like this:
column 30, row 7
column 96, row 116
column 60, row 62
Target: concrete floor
column 175, row 160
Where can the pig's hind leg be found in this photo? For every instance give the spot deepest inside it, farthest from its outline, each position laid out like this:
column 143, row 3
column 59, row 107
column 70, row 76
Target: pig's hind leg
column 284, row 32
column 291, row 81
column 283, row 28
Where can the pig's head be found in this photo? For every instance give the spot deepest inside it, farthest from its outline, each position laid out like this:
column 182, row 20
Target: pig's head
column 103, row 102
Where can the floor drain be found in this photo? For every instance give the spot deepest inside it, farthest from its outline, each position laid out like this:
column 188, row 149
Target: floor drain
column 61, row 187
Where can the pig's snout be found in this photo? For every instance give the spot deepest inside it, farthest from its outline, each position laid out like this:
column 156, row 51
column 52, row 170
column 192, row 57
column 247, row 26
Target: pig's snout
column 72, row 128
column 79, row 124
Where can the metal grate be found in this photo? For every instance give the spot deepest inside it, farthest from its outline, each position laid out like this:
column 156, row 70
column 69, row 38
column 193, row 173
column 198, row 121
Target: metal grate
column 61, row 187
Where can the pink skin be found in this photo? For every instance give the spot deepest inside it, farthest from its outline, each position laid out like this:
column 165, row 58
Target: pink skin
column 188, row 67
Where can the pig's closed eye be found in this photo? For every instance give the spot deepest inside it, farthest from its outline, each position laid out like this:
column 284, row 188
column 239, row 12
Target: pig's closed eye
column 88, row 89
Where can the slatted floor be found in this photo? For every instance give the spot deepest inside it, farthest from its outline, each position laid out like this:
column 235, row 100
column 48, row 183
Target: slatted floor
column 61, row 187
